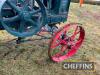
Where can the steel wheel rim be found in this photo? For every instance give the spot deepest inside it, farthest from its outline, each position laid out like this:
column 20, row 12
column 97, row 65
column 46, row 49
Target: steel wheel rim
column 73, row 50
column 26, row 33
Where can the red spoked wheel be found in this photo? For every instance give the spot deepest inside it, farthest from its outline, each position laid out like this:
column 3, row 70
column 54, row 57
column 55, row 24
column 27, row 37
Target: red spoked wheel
column 66, row 42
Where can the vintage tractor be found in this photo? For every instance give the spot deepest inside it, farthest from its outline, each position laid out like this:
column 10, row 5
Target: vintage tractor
column 24, row 18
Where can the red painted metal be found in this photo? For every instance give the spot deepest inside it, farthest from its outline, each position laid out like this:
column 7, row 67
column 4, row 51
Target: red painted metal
column 66, row 44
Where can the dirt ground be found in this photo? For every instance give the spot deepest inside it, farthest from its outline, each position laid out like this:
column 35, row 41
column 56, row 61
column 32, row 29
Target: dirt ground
column 31, row 58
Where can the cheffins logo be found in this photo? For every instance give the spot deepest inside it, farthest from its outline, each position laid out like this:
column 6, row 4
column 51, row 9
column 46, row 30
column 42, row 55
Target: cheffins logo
column 78, row 65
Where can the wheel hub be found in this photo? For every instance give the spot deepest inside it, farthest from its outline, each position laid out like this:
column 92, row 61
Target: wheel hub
column 24, row 15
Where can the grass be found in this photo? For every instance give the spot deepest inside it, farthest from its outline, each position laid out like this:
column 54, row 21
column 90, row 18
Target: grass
column 31, row 58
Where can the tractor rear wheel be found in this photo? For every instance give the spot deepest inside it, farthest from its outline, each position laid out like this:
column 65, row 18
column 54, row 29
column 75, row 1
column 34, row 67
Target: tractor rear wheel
column 27, row 20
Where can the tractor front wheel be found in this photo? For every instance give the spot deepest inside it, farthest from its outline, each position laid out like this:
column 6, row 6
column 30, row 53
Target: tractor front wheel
column 66, row 42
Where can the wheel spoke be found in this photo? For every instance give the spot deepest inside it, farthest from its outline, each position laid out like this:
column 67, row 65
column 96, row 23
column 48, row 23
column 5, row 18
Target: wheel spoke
column 72, row 42
column 21, row 27
column 65, row 32
column 13, row 6
column 32, row 22
column 35, row 12
column 25, row 5
column 75, row 33
column 11, row 19
column 63, row 48
column 55, row 45
column 59, row 39
column 75, row 30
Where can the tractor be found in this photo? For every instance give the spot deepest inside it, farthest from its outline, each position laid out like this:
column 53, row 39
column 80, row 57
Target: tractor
column 25, row 18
